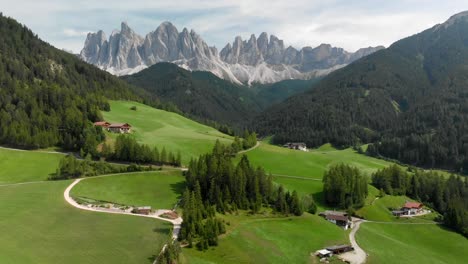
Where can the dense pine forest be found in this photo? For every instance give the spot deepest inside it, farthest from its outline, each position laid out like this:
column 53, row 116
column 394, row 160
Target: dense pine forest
column 447, row 196
column 216, row 184
column 49, row 97
column 410, row 100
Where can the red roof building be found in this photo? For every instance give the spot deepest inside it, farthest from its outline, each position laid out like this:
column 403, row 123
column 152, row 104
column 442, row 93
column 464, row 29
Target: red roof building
column 413, row 205
column 120, row 128
column 102, row 124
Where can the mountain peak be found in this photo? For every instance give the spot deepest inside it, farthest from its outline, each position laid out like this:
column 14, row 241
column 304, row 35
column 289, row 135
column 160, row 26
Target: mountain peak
column 455, row 18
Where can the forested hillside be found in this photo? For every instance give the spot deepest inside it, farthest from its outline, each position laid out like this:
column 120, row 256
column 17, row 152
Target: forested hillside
column 410, row 100
column 49, row 97
column 205, row 97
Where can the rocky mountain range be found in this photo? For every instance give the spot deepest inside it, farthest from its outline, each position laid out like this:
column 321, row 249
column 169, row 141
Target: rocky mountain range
column 259, row 60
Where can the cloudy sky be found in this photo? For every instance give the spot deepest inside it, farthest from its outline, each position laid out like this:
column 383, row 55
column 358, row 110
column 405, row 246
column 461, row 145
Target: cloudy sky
column 350, row 24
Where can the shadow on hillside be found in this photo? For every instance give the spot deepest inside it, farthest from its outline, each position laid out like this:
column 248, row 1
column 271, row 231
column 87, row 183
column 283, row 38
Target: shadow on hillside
column 178, row 188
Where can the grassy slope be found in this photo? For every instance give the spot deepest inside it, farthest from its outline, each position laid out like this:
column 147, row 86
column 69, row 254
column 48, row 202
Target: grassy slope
column 393, row 243
column 23, row 166
column 38, row 226
column 312, row 164
column 272, row 240
column 158, row 189
column 164, row 129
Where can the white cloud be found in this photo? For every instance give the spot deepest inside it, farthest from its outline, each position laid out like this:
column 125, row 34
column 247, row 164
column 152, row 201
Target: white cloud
column 75, row 33
column 350, row 24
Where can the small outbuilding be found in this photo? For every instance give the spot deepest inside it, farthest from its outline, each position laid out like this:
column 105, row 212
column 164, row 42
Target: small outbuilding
column 323, row 253
column 339, row 249
column 146, row 210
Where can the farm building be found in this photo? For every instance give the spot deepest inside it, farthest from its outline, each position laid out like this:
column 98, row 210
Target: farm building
column 103, row 124
column 412, row 208
column 340, row 249
column 338, row 218
column 298, row 146
column 409, row 208
column 142, row 210
column 323, row 253
column 120, row 128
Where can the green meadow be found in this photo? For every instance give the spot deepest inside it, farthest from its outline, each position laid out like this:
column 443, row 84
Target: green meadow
column 165, row 129
column 312, row 164
column 38, row 226
column 161, row 190
column 23, row 166
column 411, row 243
column 253, row 239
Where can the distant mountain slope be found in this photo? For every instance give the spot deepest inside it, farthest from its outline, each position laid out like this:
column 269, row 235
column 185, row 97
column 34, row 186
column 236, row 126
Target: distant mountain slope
column 199, row 94
column 206, row 97
column 410, row 99
column 262, row 60
column 49, row 97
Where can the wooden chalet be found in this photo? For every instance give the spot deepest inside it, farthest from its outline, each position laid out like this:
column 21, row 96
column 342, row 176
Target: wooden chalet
column 122, row 128
column 338, row 218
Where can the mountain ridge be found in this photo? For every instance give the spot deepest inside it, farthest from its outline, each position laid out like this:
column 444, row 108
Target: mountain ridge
column 259, row 60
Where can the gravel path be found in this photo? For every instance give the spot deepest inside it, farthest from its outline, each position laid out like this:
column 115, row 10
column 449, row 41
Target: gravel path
column 252, row 148
column 358, row 256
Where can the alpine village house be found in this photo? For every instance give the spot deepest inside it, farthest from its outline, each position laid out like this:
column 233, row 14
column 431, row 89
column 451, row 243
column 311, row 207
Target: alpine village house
column 123, row 128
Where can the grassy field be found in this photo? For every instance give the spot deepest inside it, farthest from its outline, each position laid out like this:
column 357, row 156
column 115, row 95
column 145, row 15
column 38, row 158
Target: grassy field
column 269, row 240
column 312, row 164
column 159, row 189
column 24, row 166
column 38, row 226
column 394, row 243
column 164, row 129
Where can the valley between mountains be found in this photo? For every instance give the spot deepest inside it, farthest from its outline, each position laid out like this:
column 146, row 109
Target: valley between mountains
column 162, row 149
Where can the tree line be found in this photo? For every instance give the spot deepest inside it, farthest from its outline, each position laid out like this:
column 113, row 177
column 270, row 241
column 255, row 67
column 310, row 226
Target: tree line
column 216, row 184
column 70, row 167
column 449, row 196
column 127, row 149
column 344, row 187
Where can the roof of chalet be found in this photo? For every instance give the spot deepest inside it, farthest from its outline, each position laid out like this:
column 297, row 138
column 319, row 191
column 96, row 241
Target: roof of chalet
column 119, row 125
column 101, row 123
column 338, row 247
column 413, row 205
column 336, row 217
column 330, row 212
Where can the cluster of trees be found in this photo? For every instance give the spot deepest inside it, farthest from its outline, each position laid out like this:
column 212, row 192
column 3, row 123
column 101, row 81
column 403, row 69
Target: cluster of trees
column 249, row 140
column 447, row 196
column 200, row 221
column 126, row 148
column 344, row 186
column 171, row 252
column 70, row 167
column 215, row 183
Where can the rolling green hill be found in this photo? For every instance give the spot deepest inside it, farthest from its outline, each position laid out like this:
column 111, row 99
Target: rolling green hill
column 390, row 243
column 165, row 129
